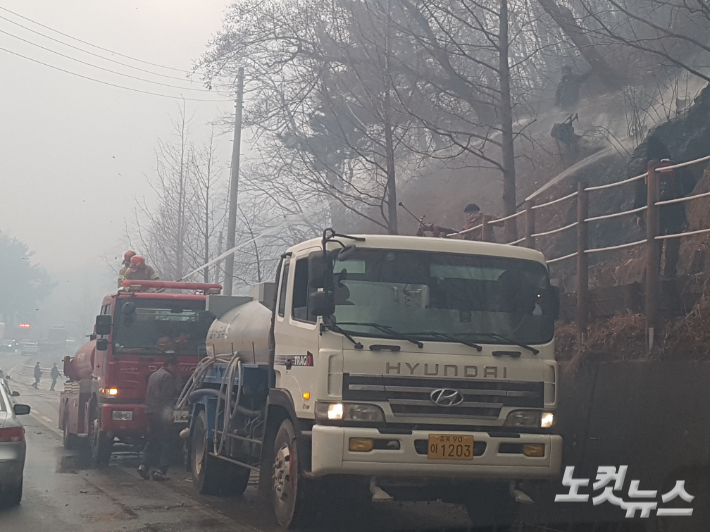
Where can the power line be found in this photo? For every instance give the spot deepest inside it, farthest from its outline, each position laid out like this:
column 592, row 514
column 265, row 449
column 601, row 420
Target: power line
column 91, row 53
column 110, row 84
column 101, row 68
column 90, row 44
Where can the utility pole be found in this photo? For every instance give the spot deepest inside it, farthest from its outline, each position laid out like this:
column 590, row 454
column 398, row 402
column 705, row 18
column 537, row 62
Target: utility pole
column 234, row 184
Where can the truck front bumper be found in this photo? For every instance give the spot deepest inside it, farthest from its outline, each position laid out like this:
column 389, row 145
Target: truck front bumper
column 331, row 455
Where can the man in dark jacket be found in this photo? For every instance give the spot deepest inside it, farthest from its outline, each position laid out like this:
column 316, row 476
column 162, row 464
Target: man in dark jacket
column 671, row 185
column 38, row 375
column 55, row 375
column 159, row 407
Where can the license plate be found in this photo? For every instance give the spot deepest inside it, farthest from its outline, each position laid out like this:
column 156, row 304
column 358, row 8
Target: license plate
column 450, row 447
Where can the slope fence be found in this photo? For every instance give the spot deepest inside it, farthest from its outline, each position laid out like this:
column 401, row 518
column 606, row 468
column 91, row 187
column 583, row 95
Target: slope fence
column 652, row 242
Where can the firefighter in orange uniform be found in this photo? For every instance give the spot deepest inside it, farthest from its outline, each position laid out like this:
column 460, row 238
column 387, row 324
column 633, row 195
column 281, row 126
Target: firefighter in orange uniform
column 139, row 271
column 126, row 264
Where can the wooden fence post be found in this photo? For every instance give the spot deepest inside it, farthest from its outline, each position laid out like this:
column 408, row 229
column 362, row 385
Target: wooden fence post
column 582, row 263
column 529, row 224
column 652, row 266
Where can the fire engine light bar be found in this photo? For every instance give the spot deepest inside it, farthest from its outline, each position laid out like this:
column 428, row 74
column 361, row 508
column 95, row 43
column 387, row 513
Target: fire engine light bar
column 137, row 286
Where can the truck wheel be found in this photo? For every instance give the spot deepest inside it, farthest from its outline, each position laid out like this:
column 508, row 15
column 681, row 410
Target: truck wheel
column 70, row 441
column 490, row 505
column 293, row 497
column 100, row 445
column 206, row 472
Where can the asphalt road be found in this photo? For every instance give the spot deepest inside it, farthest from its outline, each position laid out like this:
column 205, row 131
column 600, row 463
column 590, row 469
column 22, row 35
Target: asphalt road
column 62, row 495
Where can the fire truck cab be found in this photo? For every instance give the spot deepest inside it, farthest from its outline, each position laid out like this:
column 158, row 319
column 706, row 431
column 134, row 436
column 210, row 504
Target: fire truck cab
column 137, row 329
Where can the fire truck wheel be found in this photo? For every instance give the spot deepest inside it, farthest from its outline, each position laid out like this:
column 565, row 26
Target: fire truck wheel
column 70, row 441
column 207, row 472
column 294, row 497
column 100, row 445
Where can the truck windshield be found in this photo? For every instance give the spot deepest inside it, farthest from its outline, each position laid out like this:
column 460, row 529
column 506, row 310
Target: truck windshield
column 160, row 326
column 473, row 297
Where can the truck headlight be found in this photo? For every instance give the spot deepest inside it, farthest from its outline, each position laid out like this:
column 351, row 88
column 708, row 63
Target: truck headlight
column 122, row 415
column 523, row 418
column 348, row 412
column 547, row 420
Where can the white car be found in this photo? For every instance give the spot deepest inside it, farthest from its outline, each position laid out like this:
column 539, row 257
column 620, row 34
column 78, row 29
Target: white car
column 12, row 446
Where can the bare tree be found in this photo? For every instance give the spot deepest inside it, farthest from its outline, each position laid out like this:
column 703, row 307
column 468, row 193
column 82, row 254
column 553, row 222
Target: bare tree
column 321, row 85
column 176, row 230
column 579, row 35
column 673, row 33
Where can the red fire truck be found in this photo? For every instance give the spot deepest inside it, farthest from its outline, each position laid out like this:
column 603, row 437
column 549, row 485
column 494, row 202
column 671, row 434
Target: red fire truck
column 138, row 328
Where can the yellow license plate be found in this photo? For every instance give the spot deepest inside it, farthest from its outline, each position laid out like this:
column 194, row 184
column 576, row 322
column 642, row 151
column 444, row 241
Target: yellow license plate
column 450, row 447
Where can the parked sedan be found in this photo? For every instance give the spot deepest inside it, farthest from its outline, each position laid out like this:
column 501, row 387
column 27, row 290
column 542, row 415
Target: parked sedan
column 12, row 448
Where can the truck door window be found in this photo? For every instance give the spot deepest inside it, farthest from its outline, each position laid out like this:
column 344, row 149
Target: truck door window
column 283, row 290
column 300, row 292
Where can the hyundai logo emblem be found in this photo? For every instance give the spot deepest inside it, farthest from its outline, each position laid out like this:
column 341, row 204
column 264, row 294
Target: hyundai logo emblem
column 446, row 397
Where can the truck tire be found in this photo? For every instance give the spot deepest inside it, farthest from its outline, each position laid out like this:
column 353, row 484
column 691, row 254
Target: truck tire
column 69, row 440
column 207, row 473
column 100, row 445
column 294, row 497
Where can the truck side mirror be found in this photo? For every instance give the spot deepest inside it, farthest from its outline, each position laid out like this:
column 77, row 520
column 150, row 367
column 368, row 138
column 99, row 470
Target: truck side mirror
column 103, row 324
column 319, row 267
column 101, row 344
column 321, row 303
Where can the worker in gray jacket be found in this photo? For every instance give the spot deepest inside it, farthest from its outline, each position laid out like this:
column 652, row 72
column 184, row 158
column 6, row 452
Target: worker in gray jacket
column 159, row 408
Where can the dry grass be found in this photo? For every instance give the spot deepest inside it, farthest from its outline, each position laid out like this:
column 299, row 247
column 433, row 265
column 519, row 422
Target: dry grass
column 690, row 336
column 623, row 337
column 619, row 338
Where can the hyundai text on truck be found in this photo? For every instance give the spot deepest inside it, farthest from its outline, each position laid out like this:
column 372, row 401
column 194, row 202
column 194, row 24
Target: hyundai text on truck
column 137, row 329
column 390, row 366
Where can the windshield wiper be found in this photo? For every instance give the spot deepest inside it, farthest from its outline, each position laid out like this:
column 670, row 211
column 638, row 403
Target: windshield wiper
column 336, row 328
column 450, row 338
column 506, row 340
column 389, row 330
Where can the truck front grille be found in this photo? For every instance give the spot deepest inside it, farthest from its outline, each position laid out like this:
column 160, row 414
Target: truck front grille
column 412, row 396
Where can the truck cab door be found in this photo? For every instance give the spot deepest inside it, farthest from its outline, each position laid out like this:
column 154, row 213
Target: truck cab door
column 296, row 335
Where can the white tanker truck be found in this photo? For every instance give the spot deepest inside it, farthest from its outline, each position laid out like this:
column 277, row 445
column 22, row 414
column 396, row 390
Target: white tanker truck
column 390, row 366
